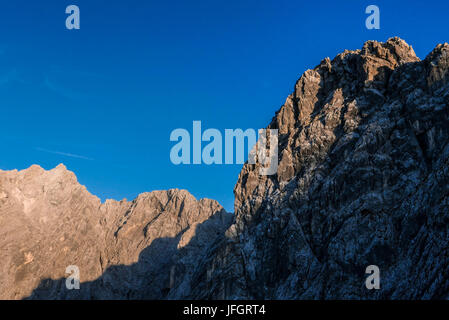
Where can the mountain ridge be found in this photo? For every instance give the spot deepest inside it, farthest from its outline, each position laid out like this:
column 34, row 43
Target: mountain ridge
column 49, row 221
column 362, row 141
column 362, row 180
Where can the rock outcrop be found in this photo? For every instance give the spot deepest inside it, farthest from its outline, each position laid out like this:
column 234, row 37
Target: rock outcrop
column 136, row 249
column 363, row 179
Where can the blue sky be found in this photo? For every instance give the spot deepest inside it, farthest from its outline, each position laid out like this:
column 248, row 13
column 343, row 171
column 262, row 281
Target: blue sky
column 104, row 99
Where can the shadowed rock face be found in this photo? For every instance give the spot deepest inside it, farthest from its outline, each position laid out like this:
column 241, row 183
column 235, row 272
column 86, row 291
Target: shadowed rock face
column 136, row 249
column 363, row 180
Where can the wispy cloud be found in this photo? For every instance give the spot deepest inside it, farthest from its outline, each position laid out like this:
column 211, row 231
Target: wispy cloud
column 65, row 154
column 58, row 71
column 62, row 91
column 11, row 76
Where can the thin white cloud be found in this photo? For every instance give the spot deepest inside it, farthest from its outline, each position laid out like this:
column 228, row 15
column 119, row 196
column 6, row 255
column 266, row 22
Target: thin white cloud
column 56, row 70
column 11, row 76
column 62, row 91
column 65, row 154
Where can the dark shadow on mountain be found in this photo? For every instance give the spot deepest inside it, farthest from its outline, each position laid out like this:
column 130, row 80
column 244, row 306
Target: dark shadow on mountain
column 369, row 97
column 160, row 269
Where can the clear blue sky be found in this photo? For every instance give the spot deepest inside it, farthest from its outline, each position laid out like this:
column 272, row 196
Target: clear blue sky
column 105, row 98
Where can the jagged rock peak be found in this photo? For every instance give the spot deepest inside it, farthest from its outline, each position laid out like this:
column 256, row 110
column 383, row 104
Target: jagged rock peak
column 394, row 50
column 37, row 172
column 348, row 75
column 48, row 221
column 362, row 179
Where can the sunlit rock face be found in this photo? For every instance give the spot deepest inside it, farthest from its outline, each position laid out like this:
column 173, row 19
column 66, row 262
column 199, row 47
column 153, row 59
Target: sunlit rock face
column 124, row 250
column 363, row 180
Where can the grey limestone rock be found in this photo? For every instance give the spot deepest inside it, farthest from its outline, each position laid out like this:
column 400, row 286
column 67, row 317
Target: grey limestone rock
column 362, row 180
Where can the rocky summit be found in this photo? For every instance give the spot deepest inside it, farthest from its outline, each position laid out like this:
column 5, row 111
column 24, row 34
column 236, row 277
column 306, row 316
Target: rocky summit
column 124, row 250
column 363, row 179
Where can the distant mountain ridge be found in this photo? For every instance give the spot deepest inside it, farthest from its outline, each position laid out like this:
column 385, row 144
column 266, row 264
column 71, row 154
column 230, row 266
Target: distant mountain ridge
column 48, row 221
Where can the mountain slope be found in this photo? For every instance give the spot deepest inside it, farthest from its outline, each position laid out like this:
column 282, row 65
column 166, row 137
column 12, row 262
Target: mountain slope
column 48, row 221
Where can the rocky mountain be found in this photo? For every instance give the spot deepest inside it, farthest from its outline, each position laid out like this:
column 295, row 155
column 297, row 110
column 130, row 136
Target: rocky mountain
column 136, row 249
column 363, row 179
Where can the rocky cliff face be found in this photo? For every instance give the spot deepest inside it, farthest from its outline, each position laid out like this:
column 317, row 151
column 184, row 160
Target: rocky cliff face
column 136, row 249
column 363, row 180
